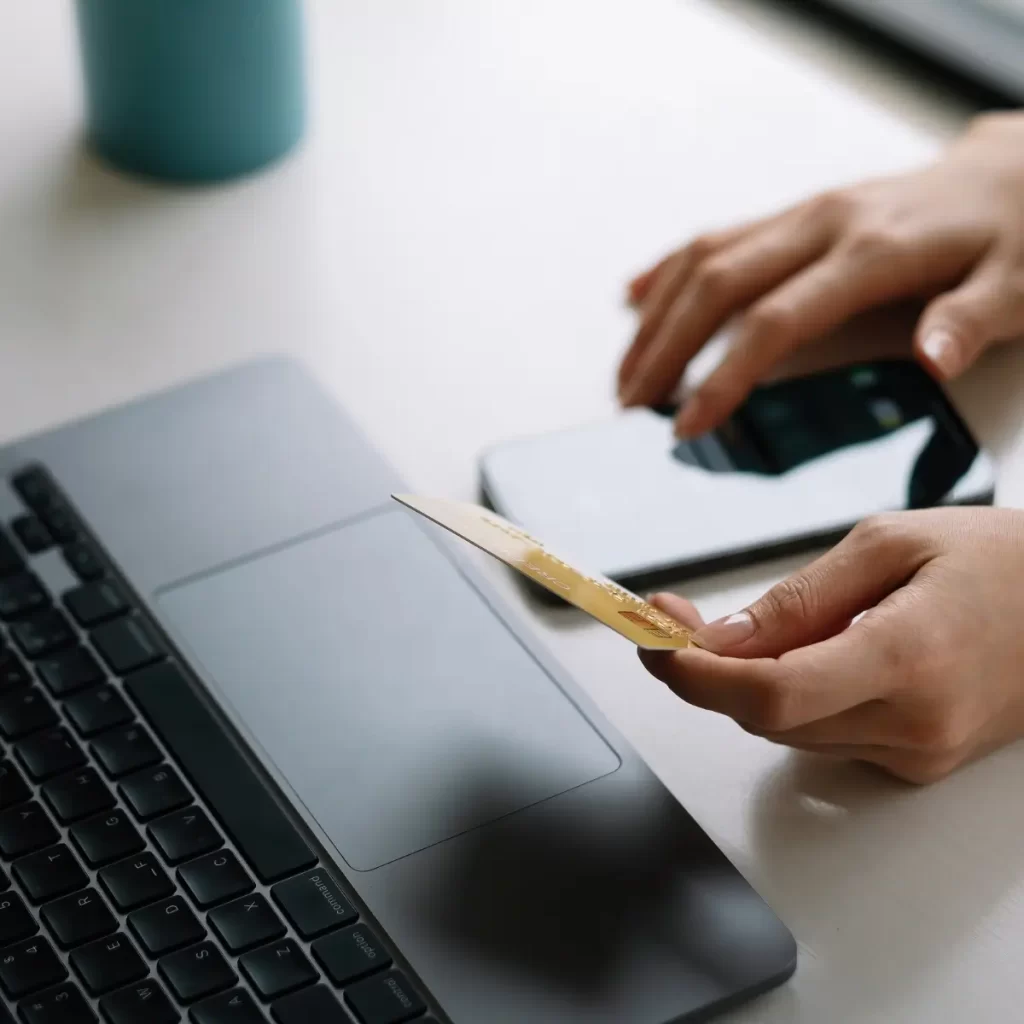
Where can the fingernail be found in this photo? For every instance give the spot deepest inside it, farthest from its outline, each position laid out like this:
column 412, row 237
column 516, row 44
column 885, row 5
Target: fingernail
column 689, row 418
column 724, row 633
column 940, row 348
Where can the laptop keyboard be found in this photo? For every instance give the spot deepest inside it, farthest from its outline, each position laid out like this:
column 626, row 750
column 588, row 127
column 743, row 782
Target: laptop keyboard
column 147, row 873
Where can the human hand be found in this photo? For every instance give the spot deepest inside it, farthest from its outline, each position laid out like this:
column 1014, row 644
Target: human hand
column 927, row 678
column 953, row 233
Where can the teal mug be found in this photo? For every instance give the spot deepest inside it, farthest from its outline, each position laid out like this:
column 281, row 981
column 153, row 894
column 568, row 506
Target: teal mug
column 193, row 90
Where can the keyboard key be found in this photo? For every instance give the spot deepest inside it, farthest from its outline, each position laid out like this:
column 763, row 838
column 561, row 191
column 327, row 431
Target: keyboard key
column 385, row 999
column 166, row 926
column 32, row 533
column 13, row 789
column 246, row 923
column 106, row 837
column 125, row 750
column 15, row 920
column 313, row 903
column 350, row 954
column 49, row 873
column 317, row 1004
column 42, row 634
column 154, row 791
column 12, row 672
column 28, row 967
column 214, row 878
column 25, row 711
column 92, row 711
column 64, row 1004
column 126, row 645
column 60, row 523
column 108, row 963
column 80, row 917
column 35, row 487
column 234, row 1007
column 278, row 969
column 25, row 829
column 49, row 753
column 142, row 1003
column 78, row 795
column 93, row 603
column 184, row 835
column 10, row 561
column 243, row 804
column 135, row 882
column 84, row 562
column 21, row 595
column 69, row 671
column 196, row 972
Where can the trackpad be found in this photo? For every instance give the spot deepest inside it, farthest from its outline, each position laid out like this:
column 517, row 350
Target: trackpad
column 382, row 686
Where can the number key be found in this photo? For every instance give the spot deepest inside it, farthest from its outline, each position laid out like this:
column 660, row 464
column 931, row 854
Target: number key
column 29, row 966
column 25, row 711
column 64, row 1004
column 45, row 754
column 15, row 920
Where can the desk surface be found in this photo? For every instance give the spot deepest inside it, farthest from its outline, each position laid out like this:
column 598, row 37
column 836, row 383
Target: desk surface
column 447, row 253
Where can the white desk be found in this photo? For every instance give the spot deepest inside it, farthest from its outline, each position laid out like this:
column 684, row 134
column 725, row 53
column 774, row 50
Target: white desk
column 448, row 253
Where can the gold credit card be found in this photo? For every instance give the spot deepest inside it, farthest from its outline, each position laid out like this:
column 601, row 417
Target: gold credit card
column 606, row 601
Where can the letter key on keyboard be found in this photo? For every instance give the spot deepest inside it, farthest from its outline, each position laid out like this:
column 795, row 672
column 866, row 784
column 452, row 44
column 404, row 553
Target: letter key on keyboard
column 145, row 1002
column 196, row 972
column 49, row 873
column 78, row 795
column 135, row 882
column 80, row 917
column 108, row 963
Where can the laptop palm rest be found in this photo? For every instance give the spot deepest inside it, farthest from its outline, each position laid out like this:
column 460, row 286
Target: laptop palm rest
column 381, row 686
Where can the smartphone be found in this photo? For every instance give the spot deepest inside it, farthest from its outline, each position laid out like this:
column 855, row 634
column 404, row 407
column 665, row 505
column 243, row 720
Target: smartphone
column 795, row 468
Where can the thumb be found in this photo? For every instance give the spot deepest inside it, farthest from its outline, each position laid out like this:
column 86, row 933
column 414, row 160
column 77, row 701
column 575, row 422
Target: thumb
column 812, row 605
column 959, row 325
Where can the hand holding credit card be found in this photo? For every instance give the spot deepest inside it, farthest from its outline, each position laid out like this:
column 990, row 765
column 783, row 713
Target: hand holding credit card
column 616, row 607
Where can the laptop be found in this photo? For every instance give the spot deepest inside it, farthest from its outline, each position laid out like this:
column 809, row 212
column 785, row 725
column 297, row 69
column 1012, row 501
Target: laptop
column 272, row 750
column 982, row 40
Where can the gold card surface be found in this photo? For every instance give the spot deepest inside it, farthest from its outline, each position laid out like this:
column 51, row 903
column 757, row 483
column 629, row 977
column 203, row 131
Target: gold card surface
column 627, row 614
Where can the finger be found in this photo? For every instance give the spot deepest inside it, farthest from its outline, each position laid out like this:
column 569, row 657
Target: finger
column 776, row 695
column 868, row 564
column 670, row 277
column 803, row 309
column 678, row 608
column 717, row 288
column 641, row 285
column 958, row 326
column 918, row 769
column 875, row 723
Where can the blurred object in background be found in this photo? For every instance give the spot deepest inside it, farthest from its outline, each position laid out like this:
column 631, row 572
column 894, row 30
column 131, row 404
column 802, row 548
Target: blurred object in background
column 193, row 90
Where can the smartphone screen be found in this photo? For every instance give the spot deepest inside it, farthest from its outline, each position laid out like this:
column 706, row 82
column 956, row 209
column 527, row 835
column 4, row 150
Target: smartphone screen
column 799, row 464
